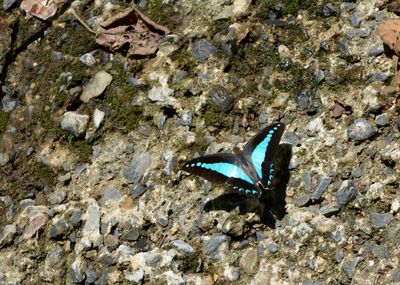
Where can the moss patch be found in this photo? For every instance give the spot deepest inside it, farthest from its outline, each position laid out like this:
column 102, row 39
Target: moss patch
column 3, row 121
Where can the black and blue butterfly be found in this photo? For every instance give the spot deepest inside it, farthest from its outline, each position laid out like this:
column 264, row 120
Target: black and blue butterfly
column 251, row 172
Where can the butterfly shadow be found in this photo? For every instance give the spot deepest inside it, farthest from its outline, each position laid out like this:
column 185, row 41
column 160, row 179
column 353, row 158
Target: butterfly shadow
column 271, row 205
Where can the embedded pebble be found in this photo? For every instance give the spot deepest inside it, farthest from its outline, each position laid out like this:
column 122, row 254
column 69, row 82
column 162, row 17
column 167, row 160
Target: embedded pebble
column 360, row 130
column 346, row 193
column 74, row 123
column 203, row 50
column 382, row 119
column 88, row 59
column 380, row 220
column 96, row 86
column 322, row 185
column 138, row 166
column 98, row 117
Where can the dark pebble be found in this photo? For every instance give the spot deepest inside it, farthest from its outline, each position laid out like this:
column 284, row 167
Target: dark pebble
column 360, row 130
column 322, row 185
column 291, row 138
column 302, row 200
column 376, row 50
column 222, row 98
column 382, row 119
column 355, row 20
column 345, row 195
column 59, row 230
column 380, row 220
column 134, row 82
column 330, row 9
column 307, row 181
column 203, row 49
column 137, row 190
column 349, row 266
column 211, row 245
column 359, row 171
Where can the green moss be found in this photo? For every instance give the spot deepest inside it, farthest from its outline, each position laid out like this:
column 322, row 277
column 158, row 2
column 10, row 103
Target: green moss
column 4, row 117
column 211, row 117
column 296, row 79
column 84, row 150
column 43, row 175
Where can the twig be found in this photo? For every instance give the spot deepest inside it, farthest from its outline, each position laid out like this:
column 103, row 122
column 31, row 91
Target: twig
column 73, row 12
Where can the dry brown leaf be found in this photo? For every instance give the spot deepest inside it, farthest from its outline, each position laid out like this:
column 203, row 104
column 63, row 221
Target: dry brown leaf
column 42, row 9
column 338, row 109
column 131, row 32
column 389, row 31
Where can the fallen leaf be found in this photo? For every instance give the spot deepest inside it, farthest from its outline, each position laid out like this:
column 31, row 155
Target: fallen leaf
column 393, row 6
column 131, row 32
column 42, row 9
column 339, row 109
column 389, row 31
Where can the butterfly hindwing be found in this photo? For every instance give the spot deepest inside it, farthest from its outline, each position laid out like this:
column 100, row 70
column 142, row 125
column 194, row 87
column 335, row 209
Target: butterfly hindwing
column 242, row 187
column 217, row 168
column 261, row 151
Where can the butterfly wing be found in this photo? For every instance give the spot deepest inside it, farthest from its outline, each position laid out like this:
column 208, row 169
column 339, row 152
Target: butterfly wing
column 217, row 168
column 241, row 186
column 261, row 151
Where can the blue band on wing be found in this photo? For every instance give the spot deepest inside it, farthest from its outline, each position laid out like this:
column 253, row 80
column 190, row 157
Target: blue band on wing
column 259, row 152
column 225, row 168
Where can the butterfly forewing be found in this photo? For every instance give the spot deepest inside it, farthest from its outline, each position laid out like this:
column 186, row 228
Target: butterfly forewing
column 261, row 151
column 217, row 168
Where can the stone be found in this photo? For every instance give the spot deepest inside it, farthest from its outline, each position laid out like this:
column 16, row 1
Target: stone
column 232, row 273
column 59, row 230
column 98, row 117
column 203, row 50
column 111, row 194
column 160, row 93
column 183, row 246
column 210, row 246
column 9, row 205
column 346, row 193
column 330, row 9
column 7, row 4
column 78, row 268
column 136, row 276
column 349, row 266
column 375, row 50
column 329, row 210
column 74, row 123
column 91, row 236
column 36, row 223
column 185, row 119
column 322, row 185
column 291, row 138
column 249, row 260
column 137, row 190
column 355, row 20
column 222, row 98
column 137, row 83
column 57, row 197
column 169, row 158
column 7, row 237
column 272, row 247
column 380, row 220
column 241, row 7
column 360, row 130
column 138, row 166
column 382, row 119
column 88, row 59
column 96, row 86
column 9, row 103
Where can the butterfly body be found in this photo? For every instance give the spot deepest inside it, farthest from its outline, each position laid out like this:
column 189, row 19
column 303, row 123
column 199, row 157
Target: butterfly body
column 249, row 172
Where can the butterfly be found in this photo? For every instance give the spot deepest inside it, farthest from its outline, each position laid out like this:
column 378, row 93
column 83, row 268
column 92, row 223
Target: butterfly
column 251, row 172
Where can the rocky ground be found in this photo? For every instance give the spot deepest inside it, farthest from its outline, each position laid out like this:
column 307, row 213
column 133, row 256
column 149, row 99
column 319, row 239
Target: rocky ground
column 92, row 142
